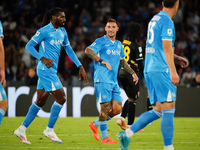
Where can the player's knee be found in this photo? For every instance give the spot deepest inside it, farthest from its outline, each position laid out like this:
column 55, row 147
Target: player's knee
column 117, row 110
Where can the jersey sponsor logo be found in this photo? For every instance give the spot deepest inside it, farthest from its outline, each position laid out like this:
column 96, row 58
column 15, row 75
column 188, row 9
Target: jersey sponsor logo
column 37, row 33
column 108, row 52
column 150, row 50
column 113, row 52
column 57, row 42
column 169, row 31
column 51, row 35
column 107, row 45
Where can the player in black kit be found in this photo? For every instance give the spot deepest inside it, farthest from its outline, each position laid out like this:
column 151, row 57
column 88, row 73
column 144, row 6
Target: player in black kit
column 134, row 58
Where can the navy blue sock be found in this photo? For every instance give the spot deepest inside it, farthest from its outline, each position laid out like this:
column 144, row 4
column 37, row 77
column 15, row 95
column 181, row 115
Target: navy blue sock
column 2, row 113
column 32, row 112
column 144, row 119
column 103, row 129
column 167, row 125
column 55, row 110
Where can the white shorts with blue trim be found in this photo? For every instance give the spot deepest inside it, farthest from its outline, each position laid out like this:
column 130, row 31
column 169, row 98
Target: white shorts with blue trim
column 160, row 87
column 105, row 92
column 48, row 80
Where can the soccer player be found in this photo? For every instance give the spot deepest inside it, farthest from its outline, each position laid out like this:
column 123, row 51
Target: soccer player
column 50, row 39
column 134, row 58
column 3, row 97
column 160, row 76
column 107, row 53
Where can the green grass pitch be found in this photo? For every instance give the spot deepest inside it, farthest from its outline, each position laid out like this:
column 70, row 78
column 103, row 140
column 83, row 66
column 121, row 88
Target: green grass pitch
column 76, row 135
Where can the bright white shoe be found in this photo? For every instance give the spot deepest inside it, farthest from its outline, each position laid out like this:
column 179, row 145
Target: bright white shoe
column 22, row 136
column 49, row 133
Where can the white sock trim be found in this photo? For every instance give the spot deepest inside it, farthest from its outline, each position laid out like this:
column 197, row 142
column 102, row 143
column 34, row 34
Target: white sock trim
column 168, row 147
column 129, row 132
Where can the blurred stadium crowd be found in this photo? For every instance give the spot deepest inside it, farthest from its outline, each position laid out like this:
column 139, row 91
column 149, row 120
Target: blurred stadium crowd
column 85, row 21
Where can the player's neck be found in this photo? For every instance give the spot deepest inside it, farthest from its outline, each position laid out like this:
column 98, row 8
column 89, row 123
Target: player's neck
column 169, row 11
column 111, row 38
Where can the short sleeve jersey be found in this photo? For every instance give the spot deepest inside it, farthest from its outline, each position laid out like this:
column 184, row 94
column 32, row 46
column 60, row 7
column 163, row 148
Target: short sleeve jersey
column 50, row 41
column 1, row 30
column 110, row 52
column 161, row 27
column 133, row 52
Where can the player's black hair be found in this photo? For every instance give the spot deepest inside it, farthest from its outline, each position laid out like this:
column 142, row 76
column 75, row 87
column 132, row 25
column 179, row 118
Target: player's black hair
column 169, row 3
column 134, row 31
column 112, row 20
column 48, row 15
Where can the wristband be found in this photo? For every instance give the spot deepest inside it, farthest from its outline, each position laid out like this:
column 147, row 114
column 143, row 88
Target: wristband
column 132, row 72
column 100, row 60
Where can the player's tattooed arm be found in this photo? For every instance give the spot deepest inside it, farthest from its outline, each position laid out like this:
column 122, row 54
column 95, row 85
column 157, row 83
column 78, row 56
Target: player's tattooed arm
column 126, row 67
column 90, row 53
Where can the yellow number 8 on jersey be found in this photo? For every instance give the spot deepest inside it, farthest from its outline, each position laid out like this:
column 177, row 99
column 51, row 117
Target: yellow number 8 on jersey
column 127, row 52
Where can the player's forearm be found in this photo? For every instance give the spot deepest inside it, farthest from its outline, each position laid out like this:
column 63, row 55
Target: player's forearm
column 2, row 55
column 90, row 53
column 126, row 67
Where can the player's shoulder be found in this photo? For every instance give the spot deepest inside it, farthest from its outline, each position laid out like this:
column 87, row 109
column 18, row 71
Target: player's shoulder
column 164, row 18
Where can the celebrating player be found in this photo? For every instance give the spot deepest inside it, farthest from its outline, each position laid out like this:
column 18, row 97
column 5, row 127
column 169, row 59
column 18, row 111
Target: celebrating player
column 108, row 53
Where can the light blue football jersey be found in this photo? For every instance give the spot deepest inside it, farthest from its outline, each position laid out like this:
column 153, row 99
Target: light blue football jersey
column 1, row 30
column 50, row 41
column 161, row 27
column 110, row 52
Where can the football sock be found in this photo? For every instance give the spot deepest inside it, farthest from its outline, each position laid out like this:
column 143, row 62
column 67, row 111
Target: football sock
column 55, row 110
column 32, row 112
column 125, row 109
column 131, row 112
column 2, row 113
column 167, row 125
column 144, row 119
column 96, row 122
column 103, row 129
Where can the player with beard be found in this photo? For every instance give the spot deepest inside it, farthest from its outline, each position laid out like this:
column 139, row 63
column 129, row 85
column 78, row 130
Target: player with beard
column 108, row 54
column 50, row 38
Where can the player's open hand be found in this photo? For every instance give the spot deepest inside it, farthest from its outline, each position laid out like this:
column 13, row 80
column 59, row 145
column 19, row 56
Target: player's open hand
column 107, row 65
column 2, row 77
column 48, row 62
column 135, row 78
column 83, row 74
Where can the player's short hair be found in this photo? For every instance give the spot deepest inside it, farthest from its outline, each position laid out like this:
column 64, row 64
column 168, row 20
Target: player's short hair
column 169, row 3
column 134, row 31
column 112, row 20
